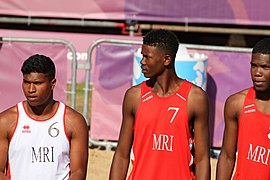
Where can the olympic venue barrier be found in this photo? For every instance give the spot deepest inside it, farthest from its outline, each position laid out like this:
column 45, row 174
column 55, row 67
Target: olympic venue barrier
column 14, row 50
column 227, row 73
column 110, row 75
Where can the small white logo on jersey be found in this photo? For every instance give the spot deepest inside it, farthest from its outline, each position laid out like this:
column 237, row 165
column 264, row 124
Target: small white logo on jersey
column 250, row 111
column 26, row 129
column 146, row 97
column 268, row 134
column 252, row 106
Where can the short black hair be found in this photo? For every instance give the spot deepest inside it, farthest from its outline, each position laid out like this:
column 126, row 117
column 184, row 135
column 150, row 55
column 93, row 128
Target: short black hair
column 262, row 47
column 163, row 39
column 39, row 64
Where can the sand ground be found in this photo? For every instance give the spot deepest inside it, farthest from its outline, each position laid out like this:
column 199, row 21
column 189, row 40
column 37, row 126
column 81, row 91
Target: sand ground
column 100, row 160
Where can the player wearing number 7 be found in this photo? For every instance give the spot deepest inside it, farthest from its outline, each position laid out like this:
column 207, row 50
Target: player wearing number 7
column 162, row 119
column 42, row 138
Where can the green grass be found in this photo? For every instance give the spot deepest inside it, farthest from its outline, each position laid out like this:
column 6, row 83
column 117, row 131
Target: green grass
column 80, row 98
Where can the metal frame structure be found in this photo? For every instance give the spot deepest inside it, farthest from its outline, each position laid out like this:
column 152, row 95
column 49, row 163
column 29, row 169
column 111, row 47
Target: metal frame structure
column 53, row 41
column 133, row 28
column 108, row 144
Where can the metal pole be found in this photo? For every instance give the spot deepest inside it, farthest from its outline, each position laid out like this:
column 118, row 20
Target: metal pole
column 88, row 66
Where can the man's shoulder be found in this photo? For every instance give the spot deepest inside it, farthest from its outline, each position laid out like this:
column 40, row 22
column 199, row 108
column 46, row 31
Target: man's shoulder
column 72, row 112
column 197, row 92
column 236, row 100
column 11, row 111
column 73, row 116
column 8, row 117
column 134, row 91
column 238, row 96
column 74, row 120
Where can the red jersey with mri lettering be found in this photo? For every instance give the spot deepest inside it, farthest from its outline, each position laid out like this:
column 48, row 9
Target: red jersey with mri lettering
column 162, row 141
column 253, row 142
column 39, row 149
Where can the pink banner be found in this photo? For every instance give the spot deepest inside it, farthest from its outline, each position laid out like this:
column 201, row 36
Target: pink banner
column 111, row 76
column 80, row 41
column 12, row 56
column 82, row 9
column 232, row 12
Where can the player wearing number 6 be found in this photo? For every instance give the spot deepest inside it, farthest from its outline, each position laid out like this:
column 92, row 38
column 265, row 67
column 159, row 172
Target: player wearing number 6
column 42, row 138
column 162, row 119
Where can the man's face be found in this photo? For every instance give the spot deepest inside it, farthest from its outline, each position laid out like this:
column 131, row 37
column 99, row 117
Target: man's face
column 260, row 71
column 152, row 62
column 37, row 88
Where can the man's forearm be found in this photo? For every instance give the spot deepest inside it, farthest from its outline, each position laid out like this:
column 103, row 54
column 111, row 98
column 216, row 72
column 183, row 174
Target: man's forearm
column 203, row 170
column 78, row 175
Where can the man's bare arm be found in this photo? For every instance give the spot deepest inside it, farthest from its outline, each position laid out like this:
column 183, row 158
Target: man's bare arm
column 121, row 159
column 7, row 126
column 227, row 156
column 77, row 128
column 199, row 113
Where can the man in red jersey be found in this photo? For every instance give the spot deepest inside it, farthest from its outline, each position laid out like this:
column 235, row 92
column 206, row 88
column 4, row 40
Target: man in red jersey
column 247, row 123
column 42, row 138
column 163, row 118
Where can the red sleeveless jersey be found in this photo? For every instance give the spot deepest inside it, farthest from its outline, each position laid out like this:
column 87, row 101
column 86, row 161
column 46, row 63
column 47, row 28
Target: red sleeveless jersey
column 162, row 141
column 253, row 142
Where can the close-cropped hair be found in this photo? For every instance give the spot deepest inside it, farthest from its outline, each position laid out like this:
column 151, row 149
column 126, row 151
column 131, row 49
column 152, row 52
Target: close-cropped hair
column 163, row 39
column 39, row 64
column 262, row 47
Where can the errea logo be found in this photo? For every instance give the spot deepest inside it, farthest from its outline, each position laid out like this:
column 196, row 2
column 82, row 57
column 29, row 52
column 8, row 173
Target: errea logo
column 250, row 111
column 147, row 96
column 26, row 129
column 249, row 108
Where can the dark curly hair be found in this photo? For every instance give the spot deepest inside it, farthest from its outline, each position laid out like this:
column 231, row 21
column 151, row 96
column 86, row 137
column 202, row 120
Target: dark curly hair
column 39, row 64
column 262, row 47
column 163, row 39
